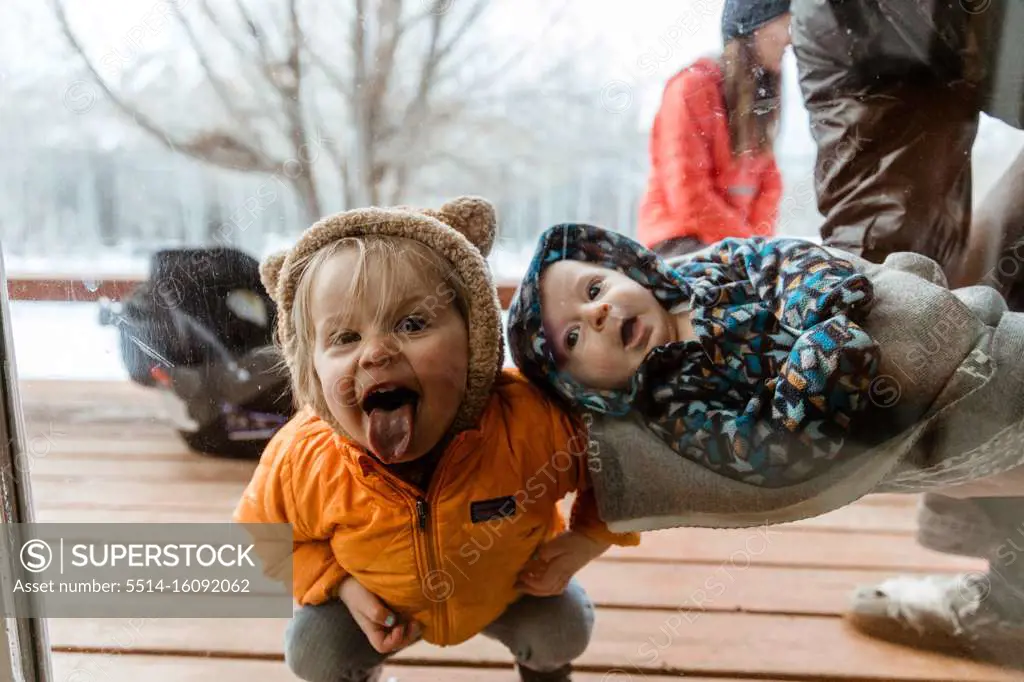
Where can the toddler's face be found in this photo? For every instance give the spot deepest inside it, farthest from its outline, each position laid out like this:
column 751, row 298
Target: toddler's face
column 393, row 372
column 600, row 323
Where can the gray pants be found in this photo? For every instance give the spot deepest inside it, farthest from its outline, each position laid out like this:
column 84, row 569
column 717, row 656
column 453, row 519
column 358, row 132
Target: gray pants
column 323, row 643
column 989, row 528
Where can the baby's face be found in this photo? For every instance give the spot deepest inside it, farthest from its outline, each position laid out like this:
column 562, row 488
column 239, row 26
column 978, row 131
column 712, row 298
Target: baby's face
column 393, row 372
column 600, row 323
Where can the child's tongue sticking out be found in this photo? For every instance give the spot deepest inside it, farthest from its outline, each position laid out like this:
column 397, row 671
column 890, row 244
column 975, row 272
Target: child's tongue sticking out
column 390, row 431
column 391, row 416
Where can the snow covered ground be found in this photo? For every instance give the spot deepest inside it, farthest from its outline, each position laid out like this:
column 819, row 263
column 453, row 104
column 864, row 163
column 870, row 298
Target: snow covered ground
column 63, row 341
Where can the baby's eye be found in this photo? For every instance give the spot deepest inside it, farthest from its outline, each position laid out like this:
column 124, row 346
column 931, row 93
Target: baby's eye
column 572, row 338
column 412, row 324
column 594, row 289
column 344, row 337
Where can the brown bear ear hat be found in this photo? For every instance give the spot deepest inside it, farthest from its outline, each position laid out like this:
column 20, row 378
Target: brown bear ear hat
column 462, row 231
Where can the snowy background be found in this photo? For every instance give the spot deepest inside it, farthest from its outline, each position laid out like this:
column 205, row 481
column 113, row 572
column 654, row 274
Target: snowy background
column 184, row 141
column 64, row 341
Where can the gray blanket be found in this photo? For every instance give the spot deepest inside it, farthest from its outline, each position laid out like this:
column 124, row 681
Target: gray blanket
column 948, row 408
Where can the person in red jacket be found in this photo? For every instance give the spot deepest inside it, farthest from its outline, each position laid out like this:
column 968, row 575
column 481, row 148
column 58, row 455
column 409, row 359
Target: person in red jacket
column 713, row 173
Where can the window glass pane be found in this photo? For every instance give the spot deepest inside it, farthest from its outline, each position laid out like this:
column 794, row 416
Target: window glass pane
column 154, row 155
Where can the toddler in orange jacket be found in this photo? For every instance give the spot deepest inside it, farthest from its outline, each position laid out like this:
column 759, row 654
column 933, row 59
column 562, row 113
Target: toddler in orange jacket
column 421, row 480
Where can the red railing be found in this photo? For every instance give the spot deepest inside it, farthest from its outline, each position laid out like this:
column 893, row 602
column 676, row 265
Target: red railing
column 55, row 288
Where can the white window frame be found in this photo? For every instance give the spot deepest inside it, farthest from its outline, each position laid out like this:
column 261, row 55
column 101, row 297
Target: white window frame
column 24, row 641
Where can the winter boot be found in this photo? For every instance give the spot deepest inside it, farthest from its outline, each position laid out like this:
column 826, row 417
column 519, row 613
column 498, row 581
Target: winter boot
column 958, row 614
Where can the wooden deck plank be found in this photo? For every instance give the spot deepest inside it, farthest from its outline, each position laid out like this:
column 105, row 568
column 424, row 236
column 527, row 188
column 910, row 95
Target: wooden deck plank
column 671, row 586
column 57, row 390
column 85, row 667
column 176, row 466
column 796, row 591
column 120, row 510
column 213, row 495
column 169, row 469
column 725, row 605
column 71, row 445
column 772, row 546
column 737, row 645
column 864, row 518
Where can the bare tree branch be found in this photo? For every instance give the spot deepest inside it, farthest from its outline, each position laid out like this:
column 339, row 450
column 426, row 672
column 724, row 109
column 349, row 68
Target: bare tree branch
column 391, row 29
column 291, row 86
column 222, row 91
column 255, row 31
column 204, row 148
column 359, row 42
column 216, row 20
column 408, row 99
column 338, row 159
column 264, row 65
column 401, row 181
column 370, row 90
column 291, row 91
column 225, row 150
column 419, row 123
column 416, row 111
column 142, row 120
column 494, row 77
column 474, row 14
column 335, row 78
column 361, row 149
column 427, row 73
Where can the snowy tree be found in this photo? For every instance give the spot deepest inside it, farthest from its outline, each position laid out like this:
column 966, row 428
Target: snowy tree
column 350, row 103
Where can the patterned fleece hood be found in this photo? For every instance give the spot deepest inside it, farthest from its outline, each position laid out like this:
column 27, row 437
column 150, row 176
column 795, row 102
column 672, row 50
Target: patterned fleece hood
column 532, row 352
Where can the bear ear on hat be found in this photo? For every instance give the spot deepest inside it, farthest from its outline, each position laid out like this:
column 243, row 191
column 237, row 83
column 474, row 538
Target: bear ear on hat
column 270, row 271
column 474, row 217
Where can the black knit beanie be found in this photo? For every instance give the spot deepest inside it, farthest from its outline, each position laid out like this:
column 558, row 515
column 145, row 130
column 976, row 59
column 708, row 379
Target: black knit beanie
column 742, row 17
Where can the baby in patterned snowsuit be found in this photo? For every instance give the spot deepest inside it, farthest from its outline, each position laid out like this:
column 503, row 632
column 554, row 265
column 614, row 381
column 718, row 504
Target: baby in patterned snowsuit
column 748, row 358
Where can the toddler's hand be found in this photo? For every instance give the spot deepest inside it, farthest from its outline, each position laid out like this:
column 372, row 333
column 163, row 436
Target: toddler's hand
column 380, row 625
column 556, row 562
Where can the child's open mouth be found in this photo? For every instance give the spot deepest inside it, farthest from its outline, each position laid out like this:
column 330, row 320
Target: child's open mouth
column 632, row 332
column 391, row 410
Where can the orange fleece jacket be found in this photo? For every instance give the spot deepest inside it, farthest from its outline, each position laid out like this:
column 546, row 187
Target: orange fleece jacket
column 447, row 557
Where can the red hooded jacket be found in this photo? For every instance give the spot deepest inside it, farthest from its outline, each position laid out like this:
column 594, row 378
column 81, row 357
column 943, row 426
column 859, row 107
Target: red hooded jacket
column 696, row 187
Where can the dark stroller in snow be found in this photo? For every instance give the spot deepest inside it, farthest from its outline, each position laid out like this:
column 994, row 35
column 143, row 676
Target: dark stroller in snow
column 200, row 330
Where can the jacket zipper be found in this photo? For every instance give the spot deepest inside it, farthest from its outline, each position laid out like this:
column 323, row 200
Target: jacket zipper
column 422, row 511
column 434, row 572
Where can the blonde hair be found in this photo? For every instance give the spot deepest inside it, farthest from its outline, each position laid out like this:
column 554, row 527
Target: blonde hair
column 751, row 98
column 395, row 266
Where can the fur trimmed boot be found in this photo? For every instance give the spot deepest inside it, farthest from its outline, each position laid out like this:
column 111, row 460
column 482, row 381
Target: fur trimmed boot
column 958, row 614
